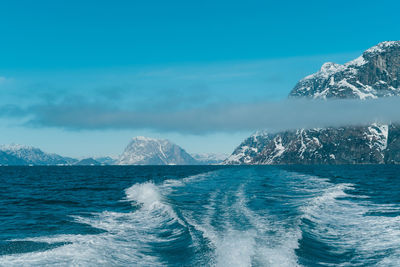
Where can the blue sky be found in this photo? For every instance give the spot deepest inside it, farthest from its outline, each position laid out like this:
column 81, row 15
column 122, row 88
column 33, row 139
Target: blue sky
column 62, row 61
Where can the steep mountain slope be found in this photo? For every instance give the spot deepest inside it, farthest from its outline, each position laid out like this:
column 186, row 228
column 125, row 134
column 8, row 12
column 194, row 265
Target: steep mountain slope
column 6, row 159
column 374, row 74
column 28, row 155
column 149, row 151
column 249, row 149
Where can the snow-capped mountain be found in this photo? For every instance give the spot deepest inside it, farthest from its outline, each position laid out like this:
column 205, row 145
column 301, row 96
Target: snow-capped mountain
column 342, row 145
column 249, row 148
column 209, row 158
column 374, row 74
column 27, row 155
column 149, row 151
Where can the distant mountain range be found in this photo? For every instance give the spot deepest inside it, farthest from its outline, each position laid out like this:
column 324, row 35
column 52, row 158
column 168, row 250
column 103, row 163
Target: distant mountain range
column 27, row 155
column 140, row 151
column 209, row 158
column 375, row 74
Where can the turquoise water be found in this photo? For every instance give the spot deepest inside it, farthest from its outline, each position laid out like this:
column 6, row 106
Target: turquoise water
column 200, row 216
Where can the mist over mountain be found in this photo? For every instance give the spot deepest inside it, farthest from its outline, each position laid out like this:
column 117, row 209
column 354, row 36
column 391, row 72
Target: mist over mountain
column 375, row 74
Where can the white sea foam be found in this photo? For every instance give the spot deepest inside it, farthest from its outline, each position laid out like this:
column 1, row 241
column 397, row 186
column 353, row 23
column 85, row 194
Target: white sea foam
column 128, row 239
column 346, row 225
column 171, row 185
column 146, row 194
column 277, row 249
column 84, row 250
column 258, row 242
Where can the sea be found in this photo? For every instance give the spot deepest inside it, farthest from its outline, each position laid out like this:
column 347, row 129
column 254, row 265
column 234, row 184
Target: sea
column 200, row 216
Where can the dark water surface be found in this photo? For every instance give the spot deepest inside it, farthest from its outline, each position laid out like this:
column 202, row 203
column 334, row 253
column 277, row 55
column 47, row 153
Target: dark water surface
column 200, row 216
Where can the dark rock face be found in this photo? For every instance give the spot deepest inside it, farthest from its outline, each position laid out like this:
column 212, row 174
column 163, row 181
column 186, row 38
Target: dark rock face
column 392, row 153
column 374, row 74
column 345, row 145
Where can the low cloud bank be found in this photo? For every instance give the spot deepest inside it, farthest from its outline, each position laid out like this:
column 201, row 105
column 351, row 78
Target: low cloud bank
column 228, row 117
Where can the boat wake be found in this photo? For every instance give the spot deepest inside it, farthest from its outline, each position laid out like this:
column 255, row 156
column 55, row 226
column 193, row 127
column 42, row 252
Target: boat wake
column 231, row 218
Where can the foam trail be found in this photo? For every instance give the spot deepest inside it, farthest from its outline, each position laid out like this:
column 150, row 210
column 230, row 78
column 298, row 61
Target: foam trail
column 271, row 250
column 342, row 221
column 233, row 217
column 129, row 237
column 241, row 237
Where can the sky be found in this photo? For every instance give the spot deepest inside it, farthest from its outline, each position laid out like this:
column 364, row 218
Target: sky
column 80, row 78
